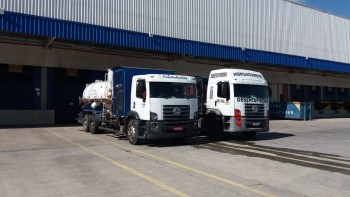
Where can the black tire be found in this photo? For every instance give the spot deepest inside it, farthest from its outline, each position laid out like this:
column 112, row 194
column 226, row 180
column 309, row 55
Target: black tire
column 93, row 126
column 132, row 132
column 214, row 128
column 86, row 122
column 250, row 134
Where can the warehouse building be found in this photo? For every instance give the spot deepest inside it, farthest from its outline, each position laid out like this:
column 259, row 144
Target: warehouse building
column 50, row 49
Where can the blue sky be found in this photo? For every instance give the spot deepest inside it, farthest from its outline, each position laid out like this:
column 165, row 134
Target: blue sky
column 338, row 7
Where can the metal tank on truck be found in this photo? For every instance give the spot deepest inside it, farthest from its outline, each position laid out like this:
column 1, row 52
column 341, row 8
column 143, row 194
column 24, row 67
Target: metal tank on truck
column 141, row 104
column 236, row 101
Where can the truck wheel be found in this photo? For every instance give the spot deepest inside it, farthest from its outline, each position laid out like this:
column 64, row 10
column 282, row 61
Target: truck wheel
column 93, row 126
column 248, row 134
column 214, row 129
column 132, row 132
column 86, row 122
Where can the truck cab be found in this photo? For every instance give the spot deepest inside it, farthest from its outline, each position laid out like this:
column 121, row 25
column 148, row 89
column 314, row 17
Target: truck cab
column 164, row 106
column 237, row 101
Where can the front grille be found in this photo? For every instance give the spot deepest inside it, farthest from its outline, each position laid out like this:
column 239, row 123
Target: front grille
column 249, row 113
column 169, row 115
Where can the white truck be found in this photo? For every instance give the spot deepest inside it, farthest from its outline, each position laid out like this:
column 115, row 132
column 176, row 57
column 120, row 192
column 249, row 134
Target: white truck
column 236, row 101
column 141, row 104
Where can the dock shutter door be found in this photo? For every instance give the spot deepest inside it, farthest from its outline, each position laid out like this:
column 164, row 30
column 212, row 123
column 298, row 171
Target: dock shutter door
column 17, row 87
column 68, row 85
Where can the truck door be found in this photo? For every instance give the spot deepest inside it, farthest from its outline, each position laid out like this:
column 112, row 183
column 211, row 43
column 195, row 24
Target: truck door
column 139, row 99
column 223, row 101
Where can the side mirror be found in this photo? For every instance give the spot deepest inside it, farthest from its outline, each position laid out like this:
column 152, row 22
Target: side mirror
column 224, row 91
column 139, row 91
column 144, row 96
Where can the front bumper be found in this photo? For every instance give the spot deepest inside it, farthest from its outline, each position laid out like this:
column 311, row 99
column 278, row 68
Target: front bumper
column 248, row 125
column 167, row 129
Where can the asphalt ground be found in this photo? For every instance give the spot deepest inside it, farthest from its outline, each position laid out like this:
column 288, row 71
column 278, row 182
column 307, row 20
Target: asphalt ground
column 296, row 158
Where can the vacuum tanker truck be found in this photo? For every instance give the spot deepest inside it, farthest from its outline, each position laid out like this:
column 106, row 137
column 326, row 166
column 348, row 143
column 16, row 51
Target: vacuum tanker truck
column 141, row 104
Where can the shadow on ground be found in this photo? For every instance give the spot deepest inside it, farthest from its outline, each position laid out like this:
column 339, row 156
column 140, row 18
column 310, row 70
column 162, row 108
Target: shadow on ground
column 202, row 139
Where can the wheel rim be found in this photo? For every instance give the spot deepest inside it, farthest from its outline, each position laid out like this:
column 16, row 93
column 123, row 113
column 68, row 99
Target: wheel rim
column 85, row 123
column 92, row 124
column 132, row 132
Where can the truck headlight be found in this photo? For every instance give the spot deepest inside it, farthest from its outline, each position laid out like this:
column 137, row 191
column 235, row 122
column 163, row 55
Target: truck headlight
column 153, row 116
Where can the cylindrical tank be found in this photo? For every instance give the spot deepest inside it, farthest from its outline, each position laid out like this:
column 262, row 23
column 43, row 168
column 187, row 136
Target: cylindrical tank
column 99, row 89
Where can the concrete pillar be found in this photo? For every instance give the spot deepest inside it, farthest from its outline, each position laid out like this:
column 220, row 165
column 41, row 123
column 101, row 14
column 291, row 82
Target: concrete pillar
column 275, row 92
column 321, row 93
column 286, row 92
column 336, row 94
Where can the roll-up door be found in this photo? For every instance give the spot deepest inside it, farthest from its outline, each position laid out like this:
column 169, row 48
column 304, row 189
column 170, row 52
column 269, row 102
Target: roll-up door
column 19, row 87
column 64, row 88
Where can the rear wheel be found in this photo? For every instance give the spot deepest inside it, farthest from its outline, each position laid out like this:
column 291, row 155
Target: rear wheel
column 250, row 134
column 214, row 128
column 132, row 132
column 93, row 125
column 86, row 122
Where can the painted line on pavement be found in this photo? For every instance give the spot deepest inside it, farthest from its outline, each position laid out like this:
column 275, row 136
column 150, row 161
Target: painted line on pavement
column 122, row 166
column 233, row 183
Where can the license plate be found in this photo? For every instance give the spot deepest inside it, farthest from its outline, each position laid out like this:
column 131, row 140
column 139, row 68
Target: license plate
column 256, row 124
column 178, row 128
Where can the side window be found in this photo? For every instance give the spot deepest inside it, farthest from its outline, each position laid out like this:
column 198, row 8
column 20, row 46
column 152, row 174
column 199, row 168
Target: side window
column 140, row 88
column 223, row 90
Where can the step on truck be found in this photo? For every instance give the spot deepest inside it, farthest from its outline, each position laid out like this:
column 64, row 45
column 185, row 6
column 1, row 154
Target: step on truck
column 233, row 100
column 141, row 104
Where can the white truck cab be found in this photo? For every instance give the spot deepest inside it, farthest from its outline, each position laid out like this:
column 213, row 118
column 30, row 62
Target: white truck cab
column 166, row 105
column 237, row 101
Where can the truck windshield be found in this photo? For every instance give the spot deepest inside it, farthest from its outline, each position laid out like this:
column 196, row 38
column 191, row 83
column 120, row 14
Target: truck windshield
column 250, row 91
column 172, row 90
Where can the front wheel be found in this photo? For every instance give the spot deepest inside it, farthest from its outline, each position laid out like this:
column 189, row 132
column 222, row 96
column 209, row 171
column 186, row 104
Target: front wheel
column 86, row 122
column 132, row 132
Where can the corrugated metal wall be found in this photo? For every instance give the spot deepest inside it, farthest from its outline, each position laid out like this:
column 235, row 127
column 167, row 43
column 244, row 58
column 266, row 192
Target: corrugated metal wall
column 269, row 25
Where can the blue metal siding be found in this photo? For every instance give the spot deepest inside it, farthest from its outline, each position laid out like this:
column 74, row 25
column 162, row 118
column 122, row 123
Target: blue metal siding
column 40, row 26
